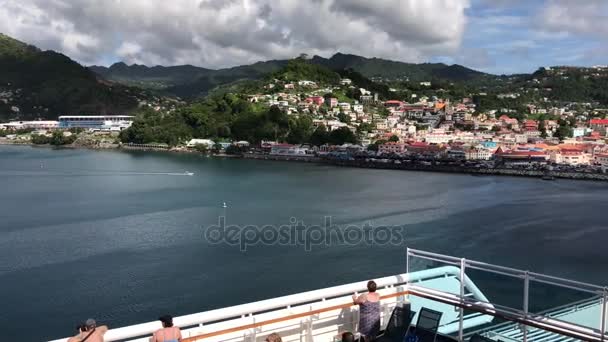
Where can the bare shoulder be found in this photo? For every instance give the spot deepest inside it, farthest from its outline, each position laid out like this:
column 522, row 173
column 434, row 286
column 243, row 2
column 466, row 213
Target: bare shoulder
column 102, row 329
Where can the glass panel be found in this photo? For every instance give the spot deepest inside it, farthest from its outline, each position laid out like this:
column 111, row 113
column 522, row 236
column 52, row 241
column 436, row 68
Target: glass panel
column 564, row 304
column 508, row 331
column 499, row 289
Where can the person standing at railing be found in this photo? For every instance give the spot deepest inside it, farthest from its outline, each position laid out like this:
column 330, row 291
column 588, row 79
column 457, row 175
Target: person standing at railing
column 89, row 332
column 168, row 333
column 369, row 312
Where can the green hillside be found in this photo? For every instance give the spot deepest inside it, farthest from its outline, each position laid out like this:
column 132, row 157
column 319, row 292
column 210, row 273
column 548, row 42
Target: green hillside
column 35, row 83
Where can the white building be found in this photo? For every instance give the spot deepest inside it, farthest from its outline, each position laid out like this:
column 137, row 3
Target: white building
column 36, row 125
column 96, row 122
column 478, row 153
column 344, row 106
column 287, row 150
column 206, row 142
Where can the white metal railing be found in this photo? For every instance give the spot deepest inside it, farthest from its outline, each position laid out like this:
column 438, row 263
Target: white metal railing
column 323, row 312
column 538, row 320
column 289, row 303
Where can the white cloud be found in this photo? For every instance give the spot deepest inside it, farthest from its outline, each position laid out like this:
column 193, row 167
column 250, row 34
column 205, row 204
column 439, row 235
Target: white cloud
column 218, row 33
column 586, row 17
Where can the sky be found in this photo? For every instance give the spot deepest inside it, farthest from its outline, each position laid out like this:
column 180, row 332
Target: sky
column 496, row 36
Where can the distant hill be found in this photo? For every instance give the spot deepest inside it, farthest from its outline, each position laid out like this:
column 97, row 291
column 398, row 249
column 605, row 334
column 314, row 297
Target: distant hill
column 186, row 80
column 36, row 83
column 216, row 78
column 382, row 68
column 154, row 77
column 190, row 81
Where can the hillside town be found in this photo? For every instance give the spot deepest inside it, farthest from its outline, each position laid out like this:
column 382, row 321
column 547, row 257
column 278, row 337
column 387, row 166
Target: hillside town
column 570, row 135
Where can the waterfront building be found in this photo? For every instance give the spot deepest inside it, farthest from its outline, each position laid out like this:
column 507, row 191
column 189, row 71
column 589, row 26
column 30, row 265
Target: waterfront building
column 570, row 157
column 478, row 153
column 392, row 147
column 206, row 142
column 36, row 125
column 288, row 150
column 521, row 157
column 96, row 122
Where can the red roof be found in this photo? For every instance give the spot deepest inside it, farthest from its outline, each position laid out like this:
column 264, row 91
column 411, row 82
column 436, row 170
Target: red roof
column 599, row 122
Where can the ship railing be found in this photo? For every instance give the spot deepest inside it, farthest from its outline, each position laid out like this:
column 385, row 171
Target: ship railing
column 583, row 317
column 250, row 317
column 320, row 315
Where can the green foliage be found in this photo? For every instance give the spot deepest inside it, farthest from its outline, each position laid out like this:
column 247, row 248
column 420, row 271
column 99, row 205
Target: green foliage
column 39, row 139
column 341, row 136
column 365, row 127
column 51, row 83
column 57, row 138
column 376, row 67
column 202, row 148
column 320, row 136
column 363, row 82
column 235, row 150
column 564, row 130
column 374, row 146
column 393, row 138
column 344, row 118
column 301, row 69
column 300, row 130
column 542, row 129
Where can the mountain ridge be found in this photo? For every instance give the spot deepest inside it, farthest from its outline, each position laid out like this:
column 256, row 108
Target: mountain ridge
column 198, row 81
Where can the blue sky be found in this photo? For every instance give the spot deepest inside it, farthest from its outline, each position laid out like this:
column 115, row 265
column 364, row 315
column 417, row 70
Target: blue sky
column 497, row 36
column 520, row 36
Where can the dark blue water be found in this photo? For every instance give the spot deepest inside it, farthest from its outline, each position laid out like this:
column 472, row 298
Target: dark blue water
column 107, row 235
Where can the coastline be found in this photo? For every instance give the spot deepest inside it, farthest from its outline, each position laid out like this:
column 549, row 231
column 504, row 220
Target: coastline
column 601, row 177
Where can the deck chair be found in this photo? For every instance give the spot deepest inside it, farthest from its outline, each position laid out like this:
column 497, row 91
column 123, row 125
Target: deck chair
column 397, row 326
column 427, row 325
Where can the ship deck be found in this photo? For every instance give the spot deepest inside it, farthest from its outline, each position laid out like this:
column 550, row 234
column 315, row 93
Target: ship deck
column 323, row 315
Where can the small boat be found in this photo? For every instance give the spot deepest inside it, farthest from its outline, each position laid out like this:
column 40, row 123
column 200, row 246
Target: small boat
column 548, row 178
column 188, row 173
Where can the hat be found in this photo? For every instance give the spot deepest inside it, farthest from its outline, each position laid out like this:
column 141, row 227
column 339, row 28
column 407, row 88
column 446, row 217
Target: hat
column 90, row 323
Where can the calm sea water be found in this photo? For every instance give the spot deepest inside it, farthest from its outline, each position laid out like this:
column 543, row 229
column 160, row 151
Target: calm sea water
column 118, row 236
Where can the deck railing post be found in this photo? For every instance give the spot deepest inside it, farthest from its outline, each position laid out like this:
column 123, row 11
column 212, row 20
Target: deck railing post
column 603, row 313
column 526, row 303
column 407, row 261
column 461, row 320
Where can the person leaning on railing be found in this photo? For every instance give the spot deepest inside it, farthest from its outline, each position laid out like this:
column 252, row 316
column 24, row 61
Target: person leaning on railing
column 168, row 333
column 89, row 332
column 369, row 312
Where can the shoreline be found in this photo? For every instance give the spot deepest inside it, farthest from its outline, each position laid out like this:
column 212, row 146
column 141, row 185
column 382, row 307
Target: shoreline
column 539, row 174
